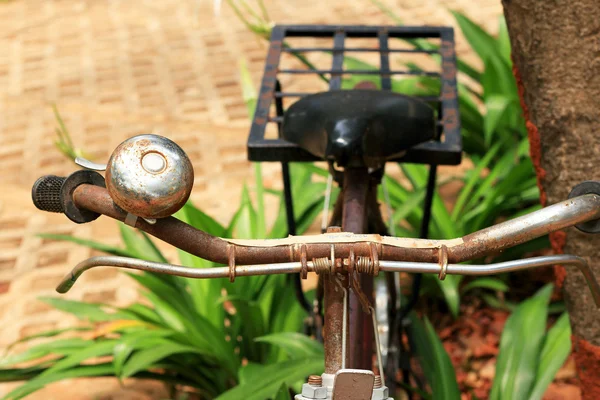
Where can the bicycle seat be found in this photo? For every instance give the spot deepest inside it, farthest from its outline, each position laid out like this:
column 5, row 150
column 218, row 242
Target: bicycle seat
column 358, row 127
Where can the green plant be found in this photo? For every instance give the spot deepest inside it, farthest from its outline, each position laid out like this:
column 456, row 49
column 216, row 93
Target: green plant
column 528, row 359
column 206, row 334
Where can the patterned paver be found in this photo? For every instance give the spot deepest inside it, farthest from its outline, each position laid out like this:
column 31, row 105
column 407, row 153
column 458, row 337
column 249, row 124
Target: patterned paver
column 120, row 68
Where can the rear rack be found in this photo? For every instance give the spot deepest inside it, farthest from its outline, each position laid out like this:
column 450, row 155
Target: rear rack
column 444, row 150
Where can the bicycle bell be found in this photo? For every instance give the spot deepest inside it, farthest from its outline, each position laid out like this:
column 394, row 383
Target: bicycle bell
column 149, row 176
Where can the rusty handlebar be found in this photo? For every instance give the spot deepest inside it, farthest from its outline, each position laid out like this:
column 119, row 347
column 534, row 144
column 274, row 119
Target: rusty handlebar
column 247, row 252
column 341, row 252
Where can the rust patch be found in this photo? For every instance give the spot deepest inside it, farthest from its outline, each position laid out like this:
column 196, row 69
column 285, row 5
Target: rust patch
column 587, row 361
column 557, row 239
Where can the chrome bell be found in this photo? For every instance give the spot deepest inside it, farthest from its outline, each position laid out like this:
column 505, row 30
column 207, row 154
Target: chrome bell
column 149, row 176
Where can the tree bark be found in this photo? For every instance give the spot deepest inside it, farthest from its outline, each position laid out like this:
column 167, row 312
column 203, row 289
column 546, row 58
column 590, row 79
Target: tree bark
column 556, row 52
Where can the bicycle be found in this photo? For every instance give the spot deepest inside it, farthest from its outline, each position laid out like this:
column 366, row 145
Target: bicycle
column 149, row 177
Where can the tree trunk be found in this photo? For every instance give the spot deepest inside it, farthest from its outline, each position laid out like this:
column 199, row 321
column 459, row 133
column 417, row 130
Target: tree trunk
column 556, row 52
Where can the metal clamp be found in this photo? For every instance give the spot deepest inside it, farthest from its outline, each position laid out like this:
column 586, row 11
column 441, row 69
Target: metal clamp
column 443, row 262
column 130, row 220
column 374, row 258
column 231, row 259
column 303, row 261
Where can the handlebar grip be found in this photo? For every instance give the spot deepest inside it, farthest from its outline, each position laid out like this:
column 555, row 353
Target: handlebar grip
column 46, row 193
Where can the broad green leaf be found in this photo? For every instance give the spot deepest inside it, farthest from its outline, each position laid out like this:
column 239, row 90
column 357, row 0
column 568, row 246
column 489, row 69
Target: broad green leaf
column 42, row 380
column 89, row 243
column 85, row 311
column 169, row 314
column 496, row 108
column 199, row 219
column 520, row 348
column 273, row 376
column 475, row 176
column 127, row 344
column 47, row 334
column 249, row 314
column 481, row 41
column 261, row 228
column 434, row 360
column 204, row 292
column 57, row 347
column 250, row 372
column 146, row 358
column 93, row 350
column 495, row 302
column 484, row 188
column 414, row 200
column 177, row 298
column 556, row 349
column 248, row 90
column 246, row 227
column 503, row 40
column 139, row 244
column 296, row 345
column 450, row 290
column 283, row 393
column 19, row 374
column 497, row 79
column 485, row 283
column 143, row 313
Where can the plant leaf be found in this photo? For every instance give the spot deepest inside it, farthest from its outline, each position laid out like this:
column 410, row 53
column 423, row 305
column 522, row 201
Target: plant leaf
column 145, row 358
column 85, row 311
column 497, row 107
column 436, row 364
column 41, row 380
column 520, row 348
column 296, row 345
column 503, row 40
column 57, row 347
column 140, row 245
column 555, row 351
column 128, row 343
column 273, row 376
column 497, row 79
column 481, row 41
column 486, row 283
column 94, row 349
column 89, row 243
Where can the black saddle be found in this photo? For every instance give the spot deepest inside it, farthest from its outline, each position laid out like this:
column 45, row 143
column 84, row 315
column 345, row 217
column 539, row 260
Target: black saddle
column 358, row 127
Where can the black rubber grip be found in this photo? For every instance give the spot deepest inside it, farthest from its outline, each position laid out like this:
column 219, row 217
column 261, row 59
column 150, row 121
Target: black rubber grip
column 46, row 193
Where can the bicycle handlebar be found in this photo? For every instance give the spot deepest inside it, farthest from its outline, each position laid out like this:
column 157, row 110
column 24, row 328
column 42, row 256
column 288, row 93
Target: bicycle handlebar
column 489, row 240
column 337, row 252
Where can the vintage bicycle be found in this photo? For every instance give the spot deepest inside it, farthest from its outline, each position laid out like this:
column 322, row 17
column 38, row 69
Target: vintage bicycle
column 356, row 131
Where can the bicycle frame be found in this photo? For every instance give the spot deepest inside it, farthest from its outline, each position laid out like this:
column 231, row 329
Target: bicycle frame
column 356, row 188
